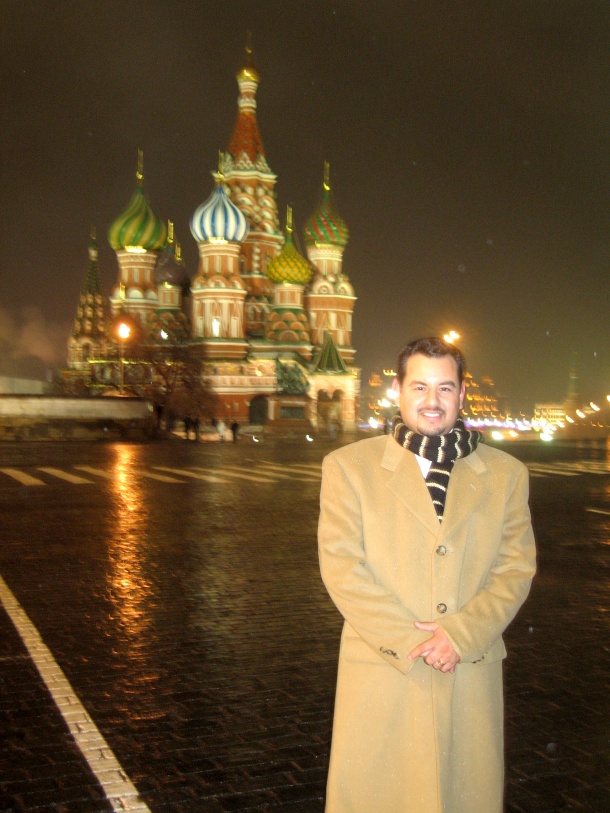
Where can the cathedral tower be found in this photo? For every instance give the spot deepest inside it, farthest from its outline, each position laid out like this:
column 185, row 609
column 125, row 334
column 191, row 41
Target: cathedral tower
column 330, row 298
column 170, row 321
column 287, row 323
column 218, row 292
column 137, row 236
column 89, row 333
column 251, row 185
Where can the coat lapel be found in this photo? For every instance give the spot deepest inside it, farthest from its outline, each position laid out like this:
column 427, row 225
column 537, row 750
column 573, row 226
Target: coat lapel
column 466, row 490
column 407, row 484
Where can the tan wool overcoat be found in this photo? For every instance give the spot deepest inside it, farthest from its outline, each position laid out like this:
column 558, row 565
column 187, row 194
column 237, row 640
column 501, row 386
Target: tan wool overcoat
column 406, row 737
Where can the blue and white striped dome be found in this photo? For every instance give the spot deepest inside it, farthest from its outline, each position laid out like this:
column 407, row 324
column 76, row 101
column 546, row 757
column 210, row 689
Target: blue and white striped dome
column 219, row 219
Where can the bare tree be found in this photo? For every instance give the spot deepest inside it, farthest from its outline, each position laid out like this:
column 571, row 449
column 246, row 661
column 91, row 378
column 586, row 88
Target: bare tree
column 176, row 383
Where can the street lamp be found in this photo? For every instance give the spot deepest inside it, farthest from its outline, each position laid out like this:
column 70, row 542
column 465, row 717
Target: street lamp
column 451, row 337
column 123, row 331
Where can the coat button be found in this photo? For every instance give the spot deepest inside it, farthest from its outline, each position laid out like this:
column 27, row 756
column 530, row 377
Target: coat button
column 441, row 550
column 441, row 608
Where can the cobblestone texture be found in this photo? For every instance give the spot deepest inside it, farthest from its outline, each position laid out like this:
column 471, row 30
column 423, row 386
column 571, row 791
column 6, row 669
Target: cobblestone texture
column 191, row 622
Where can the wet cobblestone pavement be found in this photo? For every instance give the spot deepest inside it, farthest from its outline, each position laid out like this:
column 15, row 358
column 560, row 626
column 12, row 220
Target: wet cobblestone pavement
column 176, row 586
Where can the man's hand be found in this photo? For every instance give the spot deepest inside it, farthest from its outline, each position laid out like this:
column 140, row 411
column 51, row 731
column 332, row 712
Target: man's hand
column 437, row 651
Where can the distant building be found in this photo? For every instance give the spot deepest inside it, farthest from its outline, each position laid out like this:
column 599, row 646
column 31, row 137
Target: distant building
column 268, row 321
column 22, row 386
column 481, row 401
column 550, row 413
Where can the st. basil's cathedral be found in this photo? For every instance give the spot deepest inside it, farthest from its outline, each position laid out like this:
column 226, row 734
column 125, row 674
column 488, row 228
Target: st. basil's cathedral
column 271, row 324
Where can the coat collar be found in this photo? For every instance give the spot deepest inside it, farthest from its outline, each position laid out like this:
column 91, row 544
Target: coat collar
column 466, row 488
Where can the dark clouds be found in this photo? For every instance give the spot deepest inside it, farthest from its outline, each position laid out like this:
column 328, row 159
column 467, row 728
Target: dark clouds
column 468, row 144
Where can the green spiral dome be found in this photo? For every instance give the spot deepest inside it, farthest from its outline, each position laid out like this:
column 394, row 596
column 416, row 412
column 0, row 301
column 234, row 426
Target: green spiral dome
column 138, row 227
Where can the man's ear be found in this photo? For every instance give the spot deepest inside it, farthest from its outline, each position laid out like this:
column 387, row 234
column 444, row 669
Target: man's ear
column 396, row 385
column 462, row 393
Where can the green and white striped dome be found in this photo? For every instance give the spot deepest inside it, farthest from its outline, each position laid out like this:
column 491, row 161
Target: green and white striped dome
column 138, row 228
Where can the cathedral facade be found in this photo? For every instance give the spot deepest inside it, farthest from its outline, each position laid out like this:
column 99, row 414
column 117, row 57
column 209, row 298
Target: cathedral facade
column 273, row 327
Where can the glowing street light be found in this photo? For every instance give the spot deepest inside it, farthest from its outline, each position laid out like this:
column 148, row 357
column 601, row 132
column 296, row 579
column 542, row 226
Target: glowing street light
column 451, row 337
column 124, row 332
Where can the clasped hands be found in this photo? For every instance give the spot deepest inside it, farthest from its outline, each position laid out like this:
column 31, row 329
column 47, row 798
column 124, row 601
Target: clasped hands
column 437, row 651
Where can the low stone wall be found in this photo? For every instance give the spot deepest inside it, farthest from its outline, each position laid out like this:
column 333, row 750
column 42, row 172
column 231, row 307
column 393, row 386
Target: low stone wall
column 31, row 417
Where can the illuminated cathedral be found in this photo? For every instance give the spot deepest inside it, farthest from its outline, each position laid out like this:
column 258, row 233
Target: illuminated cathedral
column 274, row 328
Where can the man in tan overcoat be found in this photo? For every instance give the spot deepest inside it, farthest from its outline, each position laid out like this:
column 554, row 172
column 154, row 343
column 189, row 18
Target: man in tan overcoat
column 426, row 547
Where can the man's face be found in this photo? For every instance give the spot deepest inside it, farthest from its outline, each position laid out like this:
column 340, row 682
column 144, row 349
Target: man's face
column 430, row 395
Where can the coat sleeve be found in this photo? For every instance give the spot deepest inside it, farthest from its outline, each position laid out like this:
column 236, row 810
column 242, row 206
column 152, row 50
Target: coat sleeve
column 373, row 612
column 483, row 619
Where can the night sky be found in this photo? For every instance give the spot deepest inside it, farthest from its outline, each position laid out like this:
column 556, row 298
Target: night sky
column 468, row 143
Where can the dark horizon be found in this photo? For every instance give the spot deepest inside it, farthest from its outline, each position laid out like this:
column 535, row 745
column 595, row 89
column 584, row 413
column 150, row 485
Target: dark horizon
column 468, row 149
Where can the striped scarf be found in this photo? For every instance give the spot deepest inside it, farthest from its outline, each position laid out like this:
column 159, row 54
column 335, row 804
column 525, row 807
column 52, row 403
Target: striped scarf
column 442, row 450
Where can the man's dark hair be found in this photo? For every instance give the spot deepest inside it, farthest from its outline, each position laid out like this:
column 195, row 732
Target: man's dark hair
column 433, row 348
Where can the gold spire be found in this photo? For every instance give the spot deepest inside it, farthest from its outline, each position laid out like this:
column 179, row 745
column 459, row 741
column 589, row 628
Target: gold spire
column 326, row 176
column 140, row 170
column 178, row 252
column 93, row 234
column 249, row 70
column 249, row 63
column 170, row 232
column 289, row 221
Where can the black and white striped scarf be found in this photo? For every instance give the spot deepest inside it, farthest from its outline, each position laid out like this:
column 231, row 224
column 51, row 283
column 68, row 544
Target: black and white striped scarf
column 442, row 450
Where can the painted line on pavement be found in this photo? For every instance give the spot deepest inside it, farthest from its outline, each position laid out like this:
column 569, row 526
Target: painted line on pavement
column 209, row 478
column 162, row 477
column 278, row 468
column 552, row 470
column 63, row 475
column 23, row 478
column 98, row 472
column 229, row 472
column 119, row 790
column 315, row 467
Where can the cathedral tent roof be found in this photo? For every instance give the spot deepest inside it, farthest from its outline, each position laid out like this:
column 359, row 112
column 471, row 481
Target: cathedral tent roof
column 328, row 359
column 246, row 138
column 92, row 284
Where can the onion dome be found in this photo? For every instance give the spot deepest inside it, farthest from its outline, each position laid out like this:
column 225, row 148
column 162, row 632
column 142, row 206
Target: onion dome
column 170, row 266
column 289, row 265
column 219, row 218
column 138, row 229
column 326, row 226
